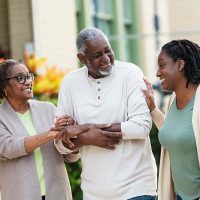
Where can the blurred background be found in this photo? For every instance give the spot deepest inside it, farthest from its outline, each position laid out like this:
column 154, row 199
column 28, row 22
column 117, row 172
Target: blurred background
column 43, row 33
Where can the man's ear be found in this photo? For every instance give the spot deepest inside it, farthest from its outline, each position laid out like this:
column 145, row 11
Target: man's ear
column 181, row 65
column 81, row 57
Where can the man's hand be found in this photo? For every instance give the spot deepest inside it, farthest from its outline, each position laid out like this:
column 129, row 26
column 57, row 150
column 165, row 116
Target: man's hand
column 97, row 137
column 73, row 131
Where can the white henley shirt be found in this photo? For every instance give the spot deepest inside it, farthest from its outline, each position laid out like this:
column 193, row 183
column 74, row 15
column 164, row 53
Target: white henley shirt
column 130, row 169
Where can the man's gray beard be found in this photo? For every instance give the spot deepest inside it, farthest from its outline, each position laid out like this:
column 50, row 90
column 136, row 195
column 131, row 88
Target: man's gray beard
column 106, row 73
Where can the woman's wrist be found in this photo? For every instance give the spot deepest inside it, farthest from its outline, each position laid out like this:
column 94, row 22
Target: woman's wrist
column 52, row 135
column 152, row 107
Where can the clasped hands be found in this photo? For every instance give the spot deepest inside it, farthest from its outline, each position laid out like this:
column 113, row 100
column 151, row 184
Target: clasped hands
column 86, row 134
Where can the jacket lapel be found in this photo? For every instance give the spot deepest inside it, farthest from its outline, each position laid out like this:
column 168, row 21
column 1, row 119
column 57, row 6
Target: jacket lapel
column 11, row 121
column 196, row 121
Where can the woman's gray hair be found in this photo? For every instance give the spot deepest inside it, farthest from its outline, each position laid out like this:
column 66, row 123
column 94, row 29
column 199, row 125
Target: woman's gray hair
column 88, row 34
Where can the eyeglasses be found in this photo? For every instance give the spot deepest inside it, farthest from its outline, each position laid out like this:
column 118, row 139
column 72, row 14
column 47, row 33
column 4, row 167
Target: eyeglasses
column 22, row 78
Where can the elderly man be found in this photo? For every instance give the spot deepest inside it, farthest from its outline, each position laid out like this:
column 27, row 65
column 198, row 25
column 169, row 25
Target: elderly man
column 109, row 91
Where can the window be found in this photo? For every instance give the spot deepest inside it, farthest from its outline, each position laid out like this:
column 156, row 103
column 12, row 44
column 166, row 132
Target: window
column 102, row 15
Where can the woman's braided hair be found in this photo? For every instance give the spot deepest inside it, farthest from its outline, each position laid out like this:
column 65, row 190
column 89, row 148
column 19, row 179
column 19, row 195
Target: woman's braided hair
column 190, row 53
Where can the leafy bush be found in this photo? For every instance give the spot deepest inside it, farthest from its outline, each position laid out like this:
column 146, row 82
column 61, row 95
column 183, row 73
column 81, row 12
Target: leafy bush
column 47, row 78
column 155, row 144
column 74, row 172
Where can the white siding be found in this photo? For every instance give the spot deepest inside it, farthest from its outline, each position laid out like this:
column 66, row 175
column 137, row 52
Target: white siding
column 4, row 37
column 20, row 26
column 54, row 30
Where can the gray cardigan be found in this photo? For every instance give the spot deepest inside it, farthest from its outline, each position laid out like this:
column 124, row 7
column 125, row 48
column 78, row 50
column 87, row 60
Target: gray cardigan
column 18, row 175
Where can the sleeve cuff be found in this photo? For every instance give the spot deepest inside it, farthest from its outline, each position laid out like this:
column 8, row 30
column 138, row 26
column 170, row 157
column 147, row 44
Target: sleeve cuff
column 21, row 147
column 154, row 110
column 158, row 117
column 72, row 157
column 61, row 148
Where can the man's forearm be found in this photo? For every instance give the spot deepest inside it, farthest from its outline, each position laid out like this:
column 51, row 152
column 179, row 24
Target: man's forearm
column 85, row 139
column 115, row 127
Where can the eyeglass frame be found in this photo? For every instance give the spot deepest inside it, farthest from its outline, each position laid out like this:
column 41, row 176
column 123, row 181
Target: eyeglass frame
column 28, row 76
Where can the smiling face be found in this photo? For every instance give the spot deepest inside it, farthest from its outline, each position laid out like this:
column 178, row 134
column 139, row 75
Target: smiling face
column 98, row 57
column 168, row 71
column 16, row 91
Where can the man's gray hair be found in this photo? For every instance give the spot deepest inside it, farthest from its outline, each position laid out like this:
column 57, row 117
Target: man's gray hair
column 88, row 34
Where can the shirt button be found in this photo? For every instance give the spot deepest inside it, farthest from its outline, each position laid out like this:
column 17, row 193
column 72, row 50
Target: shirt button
column 98, row 82
column 98, row 97
column 99, row 89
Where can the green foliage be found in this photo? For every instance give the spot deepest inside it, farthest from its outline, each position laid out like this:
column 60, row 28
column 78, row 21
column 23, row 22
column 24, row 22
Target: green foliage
column 155, row 144
column 53, row 100
column 74, row 172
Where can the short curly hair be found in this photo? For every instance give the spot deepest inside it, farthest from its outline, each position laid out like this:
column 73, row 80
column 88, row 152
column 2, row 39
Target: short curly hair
column 88, row 34
column 4, row 72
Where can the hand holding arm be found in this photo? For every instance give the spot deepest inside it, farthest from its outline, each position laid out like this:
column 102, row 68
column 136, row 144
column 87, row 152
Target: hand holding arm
column 70, row 132
column 64, row 120
column 157, row 115
column 98, row 137
column 73, row 131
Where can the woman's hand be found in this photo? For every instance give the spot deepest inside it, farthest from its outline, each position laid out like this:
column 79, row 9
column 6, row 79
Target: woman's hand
column 149, row 94
column 63, row 121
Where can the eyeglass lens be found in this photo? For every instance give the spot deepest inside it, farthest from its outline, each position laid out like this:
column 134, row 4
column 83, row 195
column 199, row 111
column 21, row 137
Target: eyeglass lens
column 23, row 78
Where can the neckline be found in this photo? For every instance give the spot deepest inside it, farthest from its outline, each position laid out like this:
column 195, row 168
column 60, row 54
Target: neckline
column 22, row 114
column 187, row 105
column 90, row 78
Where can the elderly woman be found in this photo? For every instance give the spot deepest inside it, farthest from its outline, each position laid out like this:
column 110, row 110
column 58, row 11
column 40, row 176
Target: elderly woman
column 179, row 129
column 30, row 166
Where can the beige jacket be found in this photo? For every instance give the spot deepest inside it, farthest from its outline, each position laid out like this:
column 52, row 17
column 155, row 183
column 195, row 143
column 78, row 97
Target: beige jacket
column 18, row 173
column 165, row 183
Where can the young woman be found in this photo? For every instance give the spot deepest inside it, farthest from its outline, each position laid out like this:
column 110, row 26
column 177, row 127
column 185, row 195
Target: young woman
column 179, row 130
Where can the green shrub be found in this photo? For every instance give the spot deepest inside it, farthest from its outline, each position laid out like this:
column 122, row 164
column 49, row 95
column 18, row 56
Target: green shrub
column 155, row 144
column 74, row 172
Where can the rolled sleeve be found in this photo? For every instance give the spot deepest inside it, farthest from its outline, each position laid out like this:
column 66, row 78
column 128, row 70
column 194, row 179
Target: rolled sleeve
column 72, row 157
column 21, row 146
column 61, row 148
column 68, row 154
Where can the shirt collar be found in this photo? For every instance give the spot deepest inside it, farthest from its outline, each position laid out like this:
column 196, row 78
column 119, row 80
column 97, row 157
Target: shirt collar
column 91, row 79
